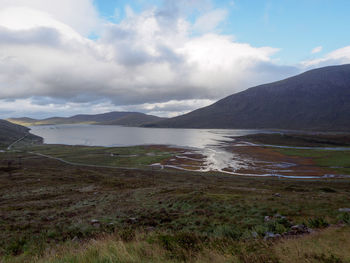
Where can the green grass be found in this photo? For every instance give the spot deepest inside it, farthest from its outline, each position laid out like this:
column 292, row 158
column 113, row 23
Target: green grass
column 47, row 202
column 328, row 246
column 136, row 156
column 324, row 158
column 155, row 216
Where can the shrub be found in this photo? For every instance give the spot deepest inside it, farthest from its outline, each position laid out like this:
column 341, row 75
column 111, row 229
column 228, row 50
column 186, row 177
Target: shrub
column 280, row 229
column 345, row 218
column 328, row 190
column 324, row 258
column 261, row 229
column 183, row 240
column 127, row 234
column 15, row 246
column 318, row 222
column 227, row 231
column 284, row 221
column 188, row 241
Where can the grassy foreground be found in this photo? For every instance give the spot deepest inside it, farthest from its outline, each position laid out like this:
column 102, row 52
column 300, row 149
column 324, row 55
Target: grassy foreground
column 51, row 211
column 328, row 246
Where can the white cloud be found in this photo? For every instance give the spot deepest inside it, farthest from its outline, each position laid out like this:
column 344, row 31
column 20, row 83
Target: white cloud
column 336, row 57
column 46, row 107
column 209, row 21
column 30, row 107
column 222, row 66
column 149, row 61
column 33, row 19
column 78, row 14
column 170, row 108
column 316, row 50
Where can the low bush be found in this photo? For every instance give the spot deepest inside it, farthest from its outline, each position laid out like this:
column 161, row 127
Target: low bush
column 318, row 222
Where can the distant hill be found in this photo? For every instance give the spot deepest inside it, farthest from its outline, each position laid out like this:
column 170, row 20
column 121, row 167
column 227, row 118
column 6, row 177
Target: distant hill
column 109, row 118
column 318, row 99
column 135, row 119
column 10, row 133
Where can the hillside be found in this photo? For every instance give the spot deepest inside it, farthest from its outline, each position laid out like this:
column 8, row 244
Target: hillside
column 10, row 132
column 135, row 119
column 315, row 100
column 109, row 118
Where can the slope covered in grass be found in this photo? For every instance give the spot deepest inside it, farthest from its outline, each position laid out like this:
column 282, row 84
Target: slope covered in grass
column 329, row 246
column 318, row 99
column 10, row 132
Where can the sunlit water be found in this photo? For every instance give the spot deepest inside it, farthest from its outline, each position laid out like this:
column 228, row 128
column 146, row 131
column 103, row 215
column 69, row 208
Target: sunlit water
column 105, row 135
column 206, row 141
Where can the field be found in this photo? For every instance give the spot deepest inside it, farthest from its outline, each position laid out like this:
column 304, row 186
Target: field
column 138, row 156
column 313, row 154
column 68, row 210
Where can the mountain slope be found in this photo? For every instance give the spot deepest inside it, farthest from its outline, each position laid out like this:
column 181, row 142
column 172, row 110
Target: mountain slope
column 135, row 119
column 10, row 133
column 109, row 118
column 315, row 100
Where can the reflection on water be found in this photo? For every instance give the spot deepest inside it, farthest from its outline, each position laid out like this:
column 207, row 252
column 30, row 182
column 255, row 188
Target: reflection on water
column 103, row 135
column 206, row 142
column 217, row 159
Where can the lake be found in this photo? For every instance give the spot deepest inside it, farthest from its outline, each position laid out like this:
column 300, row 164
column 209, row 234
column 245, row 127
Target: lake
column 205, row 141
column 208, row 142
column 106, row 135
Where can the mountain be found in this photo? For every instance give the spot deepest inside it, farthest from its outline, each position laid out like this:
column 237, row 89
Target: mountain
column 109, row 118
column 135, row 119
column 10, row 133
column 318, row 99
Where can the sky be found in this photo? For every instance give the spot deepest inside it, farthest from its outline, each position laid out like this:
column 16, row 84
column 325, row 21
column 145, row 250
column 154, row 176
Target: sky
column 160, row 57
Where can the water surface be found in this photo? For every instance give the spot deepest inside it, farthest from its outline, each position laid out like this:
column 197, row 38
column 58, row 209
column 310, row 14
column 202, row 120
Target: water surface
column 208, row 142
column 106, row 135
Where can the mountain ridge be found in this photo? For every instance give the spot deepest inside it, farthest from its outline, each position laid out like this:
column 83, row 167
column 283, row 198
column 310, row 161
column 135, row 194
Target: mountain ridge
column 318, row 99
column 10, row 132
column 108, row 118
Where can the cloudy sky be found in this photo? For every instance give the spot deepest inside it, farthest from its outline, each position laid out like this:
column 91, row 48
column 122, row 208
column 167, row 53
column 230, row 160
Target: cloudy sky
column 162, row 57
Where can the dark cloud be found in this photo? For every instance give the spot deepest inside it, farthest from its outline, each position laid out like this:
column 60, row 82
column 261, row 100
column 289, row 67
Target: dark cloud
column 36, row 36
column 268, row 72
column 148, row 59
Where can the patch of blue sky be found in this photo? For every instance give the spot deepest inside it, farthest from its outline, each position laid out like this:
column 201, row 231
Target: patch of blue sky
column 295, row 27
column 115, row 10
